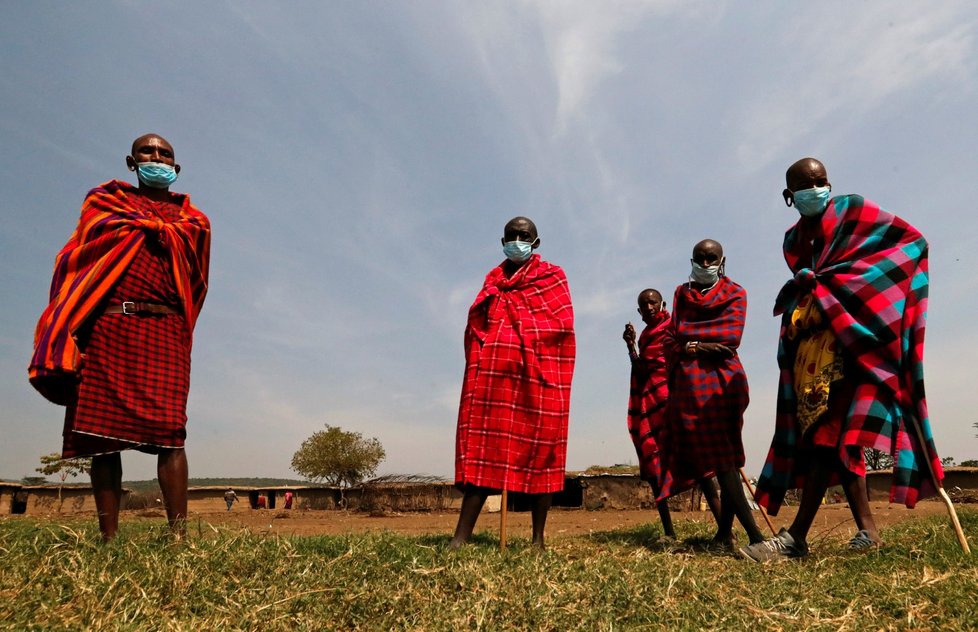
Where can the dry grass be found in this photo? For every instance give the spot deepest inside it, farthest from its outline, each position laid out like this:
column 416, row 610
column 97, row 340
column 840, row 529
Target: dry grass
column 58, row 576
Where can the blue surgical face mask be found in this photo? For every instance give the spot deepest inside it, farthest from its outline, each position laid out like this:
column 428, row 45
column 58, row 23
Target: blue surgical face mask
column 705, row 275
column 811, row 202
column 156, row 174
column 518, row 251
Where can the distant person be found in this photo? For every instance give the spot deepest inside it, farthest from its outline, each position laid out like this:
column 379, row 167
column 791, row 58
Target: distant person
column 708, row 391
column 288, row 500
column 649, row 394
column 113, row 345
column 262, row 503
column 519, row 360
column 230, row 498
column 851, row 357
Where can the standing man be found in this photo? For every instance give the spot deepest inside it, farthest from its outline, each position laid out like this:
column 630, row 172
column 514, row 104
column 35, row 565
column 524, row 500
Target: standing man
column 230, row 498
column 113, row 345
column 708, row 389
column 648, row 395
column 851, row 360
column 519, row 360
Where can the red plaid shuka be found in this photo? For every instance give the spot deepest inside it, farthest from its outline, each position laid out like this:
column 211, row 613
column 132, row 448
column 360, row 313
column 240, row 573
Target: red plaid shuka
column 708, row 394
column 114, row 225
column 124, row 378
column 648, row 397
column 519, row 360
column 868, row 273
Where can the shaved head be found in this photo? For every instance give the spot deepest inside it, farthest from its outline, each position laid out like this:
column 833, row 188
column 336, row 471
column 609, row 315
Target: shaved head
column 147, row 139
column 520, row 225
column 804, row 174
column 710, row 246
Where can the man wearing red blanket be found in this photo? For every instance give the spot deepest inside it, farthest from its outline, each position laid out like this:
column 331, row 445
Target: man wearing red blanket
column 519, row 360
column 708, row 389
column 113, row 345
column 851, row 360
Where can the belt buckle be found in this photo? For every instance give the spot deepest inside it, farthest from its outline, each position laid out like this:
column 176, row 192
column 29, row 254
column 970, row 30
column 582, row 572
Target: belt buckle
column 128, row 307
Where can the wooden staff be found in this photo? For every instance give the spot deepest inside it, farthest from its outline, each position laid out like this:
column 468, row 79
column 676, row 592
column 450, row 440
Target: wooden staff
column 502, row 521
column 940, row 488
column 750, row 488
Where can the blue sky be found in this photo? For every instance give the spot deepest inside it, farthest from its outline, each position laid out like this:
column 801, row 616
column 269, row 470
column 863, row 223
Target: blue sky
column 358, row 161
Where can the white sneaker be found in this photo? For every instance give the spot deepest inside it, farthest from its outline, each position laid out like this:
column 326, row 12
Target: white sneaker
column 781, row 546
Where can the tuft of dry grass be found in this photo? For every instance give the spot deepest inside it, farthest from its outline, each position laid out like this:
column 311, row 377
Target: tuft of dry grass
column 57, row 575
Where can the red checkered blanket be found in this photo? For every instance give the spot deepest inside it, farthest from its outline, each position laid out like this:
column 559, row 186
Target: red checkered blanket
column 869, row 277
column 519, row 360
column 111, row 230
column 649, row 395
column 707, row 393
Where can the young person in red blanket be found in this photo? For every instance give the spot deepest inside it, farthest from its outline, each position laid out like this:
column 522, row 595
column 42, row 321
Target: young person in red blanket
column 851, row 361
column 648, row 400
column 519, row 360
column 113, row 345
column 708, row 390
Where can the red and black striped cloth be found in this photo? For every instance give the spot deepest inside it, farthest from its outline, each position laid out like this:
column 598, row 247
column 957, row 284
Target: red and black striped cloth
column 867, row 270
column 707, row 393
column 124, row 378
column 135, row 375
column 648, row 397
column 519, row 361
column 115, row 223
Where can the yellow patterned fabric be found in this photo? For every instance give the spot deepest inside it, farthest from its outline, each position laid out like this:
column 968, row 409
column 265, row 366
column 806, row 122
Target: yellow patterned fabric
column 817, row 364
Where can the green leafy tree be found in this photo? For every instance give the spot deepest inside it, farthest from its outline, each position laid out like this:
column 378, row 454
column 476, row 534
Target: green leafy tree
column 969, row 463
column 63, row 468
column 33, row 480
column 947, row 461
column 336, row 457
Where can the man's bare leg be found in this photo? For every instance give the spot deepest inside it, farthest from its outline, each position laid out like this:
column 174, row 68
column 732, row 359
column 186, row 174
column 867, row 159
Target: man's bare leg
column 711, row 495
column 663, row 507
column 541, row 505
column 858, row 497
column 816, row 483
column 172, row 471
column 472, row 503
column 106, row 476
column 733, row 495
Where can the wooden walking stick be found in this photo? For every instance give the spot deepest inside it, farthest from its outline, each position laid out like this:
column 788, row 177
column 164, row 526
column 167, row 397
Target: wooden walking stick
column 502, row 521
column 750, row 488
column 940, row 488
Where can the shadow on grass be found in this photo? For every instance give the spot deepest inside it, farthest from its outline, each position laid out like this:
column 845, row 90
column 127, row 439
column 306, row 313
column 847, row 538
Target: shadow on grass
column 649, row 536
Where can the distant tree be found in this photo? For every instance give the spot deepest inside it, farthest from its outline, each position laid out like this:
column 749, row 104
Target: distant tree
column 33, row 480
column 336, row 457
column 968, row 463
column 877, row 459
column 54, row 464
column 947, row 461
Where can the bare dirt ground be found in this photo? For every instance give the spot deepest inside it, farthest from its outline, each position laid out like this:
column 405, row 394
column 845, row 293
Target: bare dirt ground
column 833, row 521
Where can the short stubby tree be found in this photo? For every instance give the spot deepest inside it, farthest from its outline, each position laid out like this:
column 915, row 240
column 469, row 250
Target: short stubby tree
column 337, row 457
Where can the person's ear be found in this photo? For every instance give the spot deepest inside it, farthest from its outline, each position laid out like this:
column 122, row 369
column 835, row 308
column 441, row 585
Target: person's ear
column 536, row 243
column 176, row 168
column 502, row 240
column 131, row 163
column 789, row 197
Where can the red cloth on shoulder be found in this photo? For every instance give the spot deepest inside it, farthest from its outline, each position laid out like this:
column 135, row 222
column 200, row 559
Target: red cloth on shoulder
column 708, row 393
column 116, row 220
column 519, row 361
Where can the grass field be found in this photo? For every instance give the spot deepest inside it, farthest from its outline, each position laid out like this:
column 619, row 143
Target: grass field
column 57, row 575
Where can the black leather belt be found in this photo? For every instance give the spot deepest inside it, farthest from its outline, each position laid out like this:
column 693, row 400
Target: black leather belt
column 132, row 307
